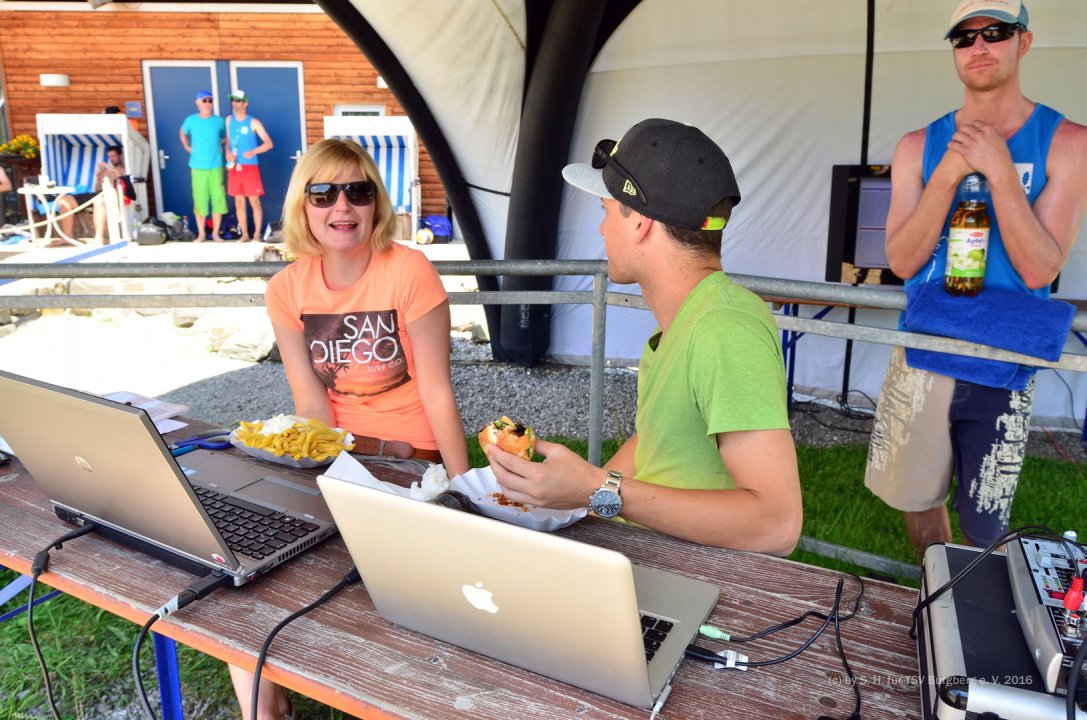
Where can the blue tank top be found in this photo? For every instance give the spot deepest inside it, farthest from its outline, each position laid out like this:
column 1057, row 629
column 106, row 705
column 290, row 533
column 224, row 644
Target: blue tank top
column 1029, row 148
column 243, row 139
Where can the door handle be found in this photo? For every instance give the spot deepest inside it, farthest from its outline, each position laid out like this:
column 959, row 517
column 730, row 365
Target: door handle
column 163, row 157
column 297, row 155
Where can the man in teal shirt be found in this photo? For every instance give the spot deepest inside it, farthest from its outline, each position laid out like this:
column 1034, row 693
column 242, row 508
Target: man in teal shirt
column 713, row 459
column 203, row 135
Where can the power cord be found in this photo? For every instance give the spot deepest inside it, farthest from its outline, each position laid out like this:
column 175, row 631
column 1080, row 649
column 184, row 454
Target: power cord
column 1073, row 681
column 1071, row 397
column 350, row 578
column 39, row 565
column 834, row 616
column 198, row 590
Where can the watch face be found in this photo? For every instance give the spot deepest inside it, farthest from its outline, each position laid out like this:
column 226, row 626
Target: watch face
column 606, row 503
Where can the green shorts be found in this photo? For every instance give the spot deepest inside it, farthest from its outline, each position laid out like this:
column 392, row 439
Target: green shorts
column 208, row 187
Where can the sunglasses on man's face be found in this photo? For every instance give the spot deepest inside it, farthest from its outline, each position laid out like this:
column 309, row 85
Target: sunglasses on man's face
column 359, row 193
column 206, row 100
column 602, row 157
column 998, row 32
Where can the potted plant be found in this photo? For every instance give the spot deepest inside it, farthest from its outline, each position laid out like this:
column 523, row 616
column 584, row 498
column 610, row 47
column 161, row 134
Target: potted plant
column 24, row 145
column 21, row 159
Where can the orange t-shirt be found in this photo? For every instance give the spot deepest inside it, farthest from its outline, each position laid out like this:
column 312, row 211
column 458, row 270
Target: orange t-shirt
column 358, row 338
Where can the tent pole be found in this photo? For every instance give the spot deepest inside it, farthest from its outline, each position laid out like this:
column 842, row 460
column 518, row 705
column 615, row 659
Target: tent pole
column 866, row 124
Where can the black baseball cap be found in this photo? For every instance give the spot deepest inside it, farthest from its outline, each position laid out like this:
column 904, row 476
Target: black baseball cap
column 663, row 169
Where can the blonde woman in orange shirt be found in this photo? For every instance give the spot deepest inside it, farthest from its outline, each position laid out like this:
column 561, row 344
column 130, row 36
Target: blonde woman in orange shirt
column 362, row 325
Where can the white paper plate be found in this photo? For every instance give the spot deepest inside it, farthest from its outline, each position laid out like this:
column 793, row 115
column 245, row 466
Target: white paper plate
column 287, row 460
column 479, row 485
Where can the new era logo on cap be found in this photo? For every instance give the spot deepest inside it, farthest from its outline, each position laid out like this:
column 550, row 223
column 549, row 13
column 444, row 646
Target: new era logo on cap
column 663, row 169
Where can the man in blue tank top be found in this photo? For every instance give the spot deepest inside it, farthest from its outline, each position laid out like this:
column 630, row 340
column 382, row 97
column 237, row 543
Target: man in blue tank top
column 246, row 138
column 1035, row 160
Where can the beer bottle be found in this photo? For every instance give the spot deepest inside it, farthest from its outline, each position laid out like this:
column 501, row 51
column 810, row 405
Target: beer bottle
column 968, row 238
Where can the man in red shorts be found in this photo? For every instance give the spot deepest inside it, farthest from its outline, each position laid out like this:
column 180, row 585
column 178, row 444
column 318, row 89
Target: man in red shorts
column 246, row 138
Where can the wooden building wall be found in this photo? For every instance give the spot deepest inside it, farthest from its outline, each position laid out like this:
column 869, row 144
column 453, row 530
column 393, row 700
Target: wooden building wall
column 101, row 52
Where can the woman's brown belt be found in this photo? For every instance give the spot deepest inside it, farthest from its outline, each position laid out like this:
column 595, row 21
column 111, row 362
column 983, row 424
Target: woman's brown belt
column 377, row 447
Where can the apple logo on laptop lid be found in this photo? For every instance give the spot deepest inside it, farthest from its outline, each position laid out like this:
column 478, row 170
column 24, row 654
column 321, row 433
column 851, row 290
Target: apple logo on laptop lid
column 479, row 597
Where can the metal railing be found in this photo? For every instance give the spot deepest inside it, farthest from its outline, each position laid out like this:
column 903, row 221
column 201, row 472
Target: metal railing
column 770, row 289
column 597, row 298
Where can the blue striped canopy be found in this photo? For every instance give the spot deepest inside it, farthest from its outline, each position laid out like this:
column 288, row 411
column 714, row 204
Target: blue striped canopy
column 71, row 159
column 390, row 153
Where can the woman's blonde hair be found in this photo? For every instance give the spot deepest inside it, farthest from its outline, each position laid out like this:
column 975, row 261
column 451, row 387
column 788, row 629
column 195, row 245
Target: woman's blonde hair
column 321, row 163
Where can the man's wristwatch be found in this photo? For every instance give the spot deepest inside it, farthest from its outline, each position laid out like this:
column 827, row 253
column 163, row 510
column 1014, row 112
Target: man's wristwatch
column 606, row 502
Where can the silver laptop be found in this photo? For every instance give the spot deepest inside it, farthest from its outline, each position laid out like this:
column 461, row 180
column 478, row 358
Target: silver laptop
column 549, row 604
column 104, row 461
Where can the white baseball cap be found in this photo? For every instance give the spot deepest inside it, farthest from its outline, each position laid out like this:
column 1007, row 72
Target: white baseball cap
column 1009, row 11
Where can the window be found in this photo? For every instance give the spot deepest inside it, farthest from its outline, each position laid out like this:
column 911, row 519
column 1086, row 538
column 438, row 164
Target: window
column 359, row 110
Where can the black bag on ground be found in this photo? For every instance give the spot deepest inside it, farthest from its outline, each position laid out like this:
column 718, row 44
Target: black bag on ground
column 152, row 232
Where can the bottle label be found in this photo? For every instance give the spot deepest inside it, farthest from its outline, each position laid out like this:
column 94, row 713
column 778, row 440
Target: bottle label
column 966, row 249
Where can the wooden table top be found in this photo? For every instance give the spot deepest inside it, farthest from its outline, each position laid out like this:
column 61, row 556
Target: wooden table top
column 345, row 655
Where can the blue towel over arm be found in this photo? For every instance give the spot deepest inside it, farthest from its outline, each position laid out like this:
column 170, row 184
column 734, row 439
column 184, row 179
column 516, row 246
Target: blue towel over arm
column 1009, row 320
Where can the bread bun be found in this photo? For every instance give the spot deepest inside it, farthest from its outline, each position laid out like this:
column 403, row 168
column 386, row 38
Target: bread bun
column 510, row 436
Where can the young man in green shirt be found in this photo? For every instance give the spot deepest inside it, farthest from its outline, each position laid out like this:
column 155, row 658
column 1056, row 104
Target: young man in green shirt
column 712, row 460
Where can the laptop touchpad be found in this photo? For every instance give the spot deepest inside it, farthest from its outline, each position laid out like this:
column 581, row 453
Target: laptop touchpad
column 282, row 493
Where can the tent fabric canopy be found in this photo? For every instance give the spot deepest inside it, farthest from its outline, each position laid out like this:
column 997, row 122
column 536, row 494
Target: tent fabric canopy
column 780, row 87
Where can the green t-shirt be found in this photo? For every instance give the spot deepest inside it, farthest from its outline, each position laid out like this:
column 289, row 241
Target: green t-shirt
column 719, row 369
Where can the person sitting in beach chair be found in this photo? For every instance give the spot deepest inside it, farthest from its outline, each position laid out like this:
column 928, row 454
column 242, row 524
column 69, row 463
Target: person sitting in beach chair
column 114, row 169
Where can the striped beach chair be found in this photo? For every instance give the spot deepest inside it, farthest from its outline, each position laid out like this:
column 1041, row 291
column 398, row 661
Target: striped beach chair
column 392, row 143
column 73, row 145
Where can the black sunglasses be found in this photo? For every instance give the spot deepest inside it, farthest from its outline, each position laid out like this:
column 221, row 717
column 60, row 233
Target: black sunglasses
column 359, row 193
column 602, row 157
column 205, row 100
column 998, row 32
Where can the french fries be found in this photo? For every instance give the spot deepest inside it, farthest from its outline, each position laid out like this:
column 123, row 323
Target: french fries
column 305, row 438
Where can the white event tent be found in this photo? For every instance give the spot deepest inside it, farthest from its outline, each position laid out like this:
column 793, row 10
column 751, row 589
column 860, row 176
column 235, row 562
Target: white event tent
column 504, row 92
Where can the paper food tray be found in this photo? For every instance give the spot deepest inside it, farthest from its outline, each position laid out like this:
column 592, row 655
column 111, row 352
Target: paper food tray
column 304, row 463
column 477, row 485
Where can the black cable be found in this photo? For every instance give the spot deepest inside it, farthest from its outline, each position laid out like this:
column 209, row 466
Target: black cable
column 38, row 652
column 350, row 578
column 707, row 655
column 198, row 590
column 834, row 616
column 37, row 567
column 796, row 621
column 1071, row 398
column 141, row 692
column 843, row 411
column 841, row 653
column 809, row 641
column 1026, row 531
column 1073, row 680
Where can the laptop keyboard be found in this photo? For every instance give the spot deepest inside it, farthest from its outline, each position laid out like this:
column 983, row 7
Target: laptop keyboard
column 249, row 528
column 654, row 630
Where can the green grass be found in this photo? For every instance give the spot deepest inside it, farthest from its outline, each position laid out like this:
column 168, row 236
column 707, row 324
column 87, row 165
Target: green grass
column 839, row 509
column 89, row 651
